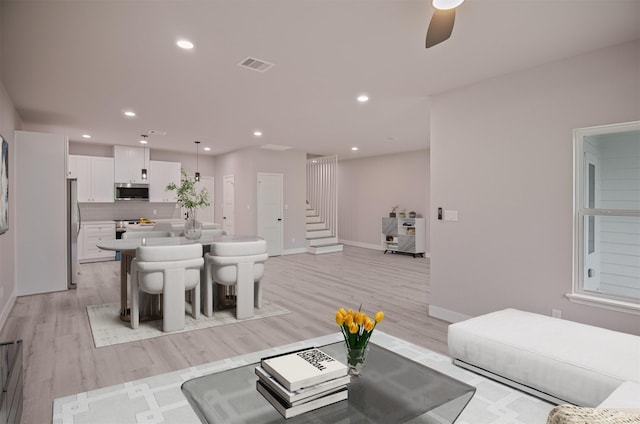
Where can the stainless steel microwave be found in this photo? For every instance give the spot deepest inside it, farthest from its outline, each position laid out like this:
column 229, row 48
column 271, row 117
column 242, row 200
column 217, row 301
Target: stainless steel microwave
column 131, row 191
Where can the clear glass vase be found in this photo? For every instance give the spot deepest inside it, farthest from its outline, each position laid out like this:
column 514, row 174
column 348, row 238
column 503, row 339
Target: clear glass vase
column 356, row 359
column 192, row 227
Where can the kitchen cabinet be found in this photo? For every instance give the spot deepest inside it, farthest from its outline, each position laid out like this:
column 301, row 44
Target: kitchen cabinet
column 72, row 166
column 404, row 235
column 160, row 175
column 91, row 233
column 95, row 178
column 129, row 163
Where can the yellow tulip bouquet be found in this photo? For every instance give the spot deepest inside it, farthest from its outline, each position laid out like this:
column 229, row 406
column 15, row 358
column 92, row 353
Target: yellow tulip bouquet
column 356, row 329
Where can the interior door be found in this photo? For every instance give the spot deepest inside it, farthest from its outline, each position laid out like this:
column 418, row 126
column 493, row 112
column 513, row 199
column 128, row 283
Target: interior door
column 228, row 204
column 270, row 211
column 592, row 224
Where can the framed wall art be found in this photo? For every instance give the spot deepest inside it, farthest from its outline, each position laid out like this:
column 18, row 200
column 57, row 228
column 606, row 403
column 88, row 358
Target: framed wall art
column 4, row 187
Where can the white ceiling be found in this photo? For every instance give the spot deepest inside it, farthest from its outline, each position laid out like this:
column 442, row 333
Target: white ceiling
column 73, row 67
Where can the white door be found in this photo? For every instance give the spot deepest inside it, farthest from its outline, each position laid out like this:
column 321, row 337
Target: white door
column 206, row 214
column 592, row 224
column 228, row 204
column 270, row 211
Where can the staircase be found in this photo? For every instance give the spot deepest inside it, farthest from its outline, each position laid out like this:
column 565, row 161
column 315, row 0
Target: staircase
column 319, row 238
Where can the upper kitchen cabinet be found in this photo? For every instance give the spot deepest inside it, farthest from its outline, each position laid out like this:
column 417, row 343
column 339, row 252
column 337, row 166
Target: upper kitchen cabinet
column 160, row 175
column 95, row 178
column 129, row 164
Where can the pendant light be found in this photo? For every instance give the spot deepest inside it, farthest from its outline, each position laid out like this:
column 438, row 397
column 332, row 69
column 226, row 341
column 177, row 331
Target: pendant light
column 144, row 170
column 197, row 173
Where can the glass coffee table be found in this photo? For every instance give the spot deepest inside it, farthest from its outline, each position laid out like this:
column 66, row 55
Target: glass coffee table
column 392, row 389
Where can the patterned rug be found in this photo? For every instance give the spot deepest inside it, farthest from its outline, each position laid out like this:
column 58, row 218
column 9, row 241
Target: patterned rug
column 159, row 399
column 108, row 329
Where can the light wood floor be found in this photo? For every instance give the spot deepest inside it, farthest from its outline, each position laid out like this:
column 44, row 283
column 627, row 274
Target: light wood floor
column 60, row 358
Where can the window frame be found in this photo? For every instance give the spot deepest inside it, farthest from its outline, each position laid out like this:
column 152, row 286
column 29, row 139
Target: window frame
column 581, row 212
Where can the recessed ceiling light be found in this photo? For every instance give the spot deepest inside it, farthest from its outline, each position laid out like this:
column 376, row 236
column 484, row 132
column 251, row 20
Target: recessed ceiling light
column 143, row 141
column 354, row 148
column 363, row 98
column 185, row 44
column 446, row 4
column 257, row 133
column 129, row 113
column 86, row 136
column 207, row 149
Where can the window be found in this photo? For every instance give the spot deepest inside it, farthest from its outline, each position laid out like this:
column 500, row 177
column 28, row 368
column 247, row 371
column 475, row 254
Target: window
column 607, row 217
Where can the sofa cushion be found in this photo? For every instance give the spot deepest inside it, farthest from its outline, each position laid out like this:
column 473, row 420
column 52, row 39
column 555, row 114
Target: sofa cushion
column 577, row 363
column 626, row 395
column 569, row 414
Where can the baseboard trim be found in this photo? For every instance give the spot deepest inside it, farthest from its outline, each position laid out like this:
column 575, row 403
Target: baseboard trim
column 446, row 314
column 7, row 309
column 363, row 245
column 294, row 251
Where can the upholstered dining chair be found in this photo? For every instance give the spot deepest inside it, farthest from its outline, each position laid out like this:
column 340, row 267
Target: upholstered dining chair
column 213, row 232
column 170, row 271
column 239, row 263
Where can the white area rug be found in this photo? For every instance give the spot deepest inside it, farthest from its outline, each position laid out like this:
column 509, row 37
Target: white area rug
column 108, row 329
column 159, row 399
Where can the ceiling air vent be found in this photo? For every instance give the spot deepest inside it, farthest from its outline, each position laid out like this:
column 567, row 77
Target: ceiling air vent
column 255, row 64
column 275, row 147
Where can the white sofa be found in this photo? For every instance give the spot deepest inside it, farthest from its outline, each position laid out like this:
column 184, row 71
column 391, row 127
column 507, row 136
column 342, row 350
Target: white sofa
column 558, row 360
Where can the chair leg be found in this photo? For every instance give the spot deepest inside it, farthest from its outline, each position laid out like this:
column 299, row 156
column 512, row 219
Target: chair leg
column 195, row 302
column 257, row 295
column 173, row 300
column 244, row 290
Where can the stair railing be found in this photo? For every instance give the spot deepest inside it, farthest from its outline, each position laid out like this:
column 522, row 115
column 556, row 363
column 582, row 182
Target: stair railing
column 322, row 190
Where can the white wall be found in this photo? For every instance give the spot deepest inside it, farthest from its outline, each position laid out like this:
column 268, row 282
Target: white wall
column 501, row 154
column 368, row 188
column 244, row 165
column 9, row 122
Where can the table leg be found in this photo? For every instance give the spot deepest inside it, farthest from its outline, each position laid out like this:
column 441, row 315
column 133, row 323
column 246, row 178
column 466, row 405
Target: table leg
column 125, row 262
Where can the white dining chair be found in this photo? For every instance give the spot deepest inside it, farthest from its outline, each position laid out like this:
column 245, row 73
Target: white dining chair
column 214, row 232
column 235, row 263
column 170, row 271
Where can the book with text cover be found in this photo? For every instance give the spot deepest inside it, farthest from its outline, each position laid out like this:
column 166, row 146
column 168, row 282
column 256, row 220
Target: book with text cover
column 303, row 368
column 304, row 394
column 291, row 411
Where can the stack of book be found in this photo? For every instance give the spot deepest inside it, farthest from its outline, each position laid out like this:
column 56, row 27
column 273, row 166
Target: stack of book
column 301, row 381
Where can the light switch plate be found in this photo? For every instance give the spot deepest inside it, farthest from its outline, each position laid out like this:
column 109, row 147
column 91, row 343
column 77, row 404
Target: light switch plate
column 450, row 215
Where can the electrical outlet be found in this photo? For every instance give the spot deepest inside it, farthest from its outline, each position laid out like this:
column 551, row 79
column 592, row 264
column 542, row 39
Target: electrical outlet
column 556, row 313
column 293, row 239
column 155, row 212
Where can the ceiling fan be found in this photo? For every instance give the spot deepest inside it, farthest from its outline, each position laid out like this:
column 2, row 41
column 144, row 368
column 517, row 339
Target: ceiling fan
column 441, row 25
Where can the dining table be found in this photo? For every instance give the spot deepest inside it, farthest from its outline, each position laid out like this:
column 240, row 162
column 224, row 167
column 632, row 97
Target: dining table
column 150, row 304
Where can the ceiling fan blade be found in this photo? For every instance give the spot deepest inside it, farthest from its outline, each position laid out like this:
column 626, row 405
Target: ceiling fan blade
column 440, row 27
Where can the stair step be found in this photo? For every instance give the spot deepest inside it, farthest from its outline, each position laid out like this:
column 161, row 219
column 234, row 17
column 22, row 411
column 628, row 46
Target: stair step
column 313, row 234
column 327, row 248
column 316, row 226
column 313, row 219
column 321, row 241
column 311, row 212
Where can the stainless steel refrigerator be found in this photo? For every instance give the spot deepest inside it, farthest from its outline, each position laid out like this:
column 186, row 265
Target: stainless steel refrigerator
column 73, row 230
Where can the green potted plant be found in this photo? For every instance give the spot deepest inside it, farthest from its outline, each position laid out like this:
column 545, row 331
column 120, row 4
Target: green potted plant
column 392, row 214
column 403, row 213
column 191, row 200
